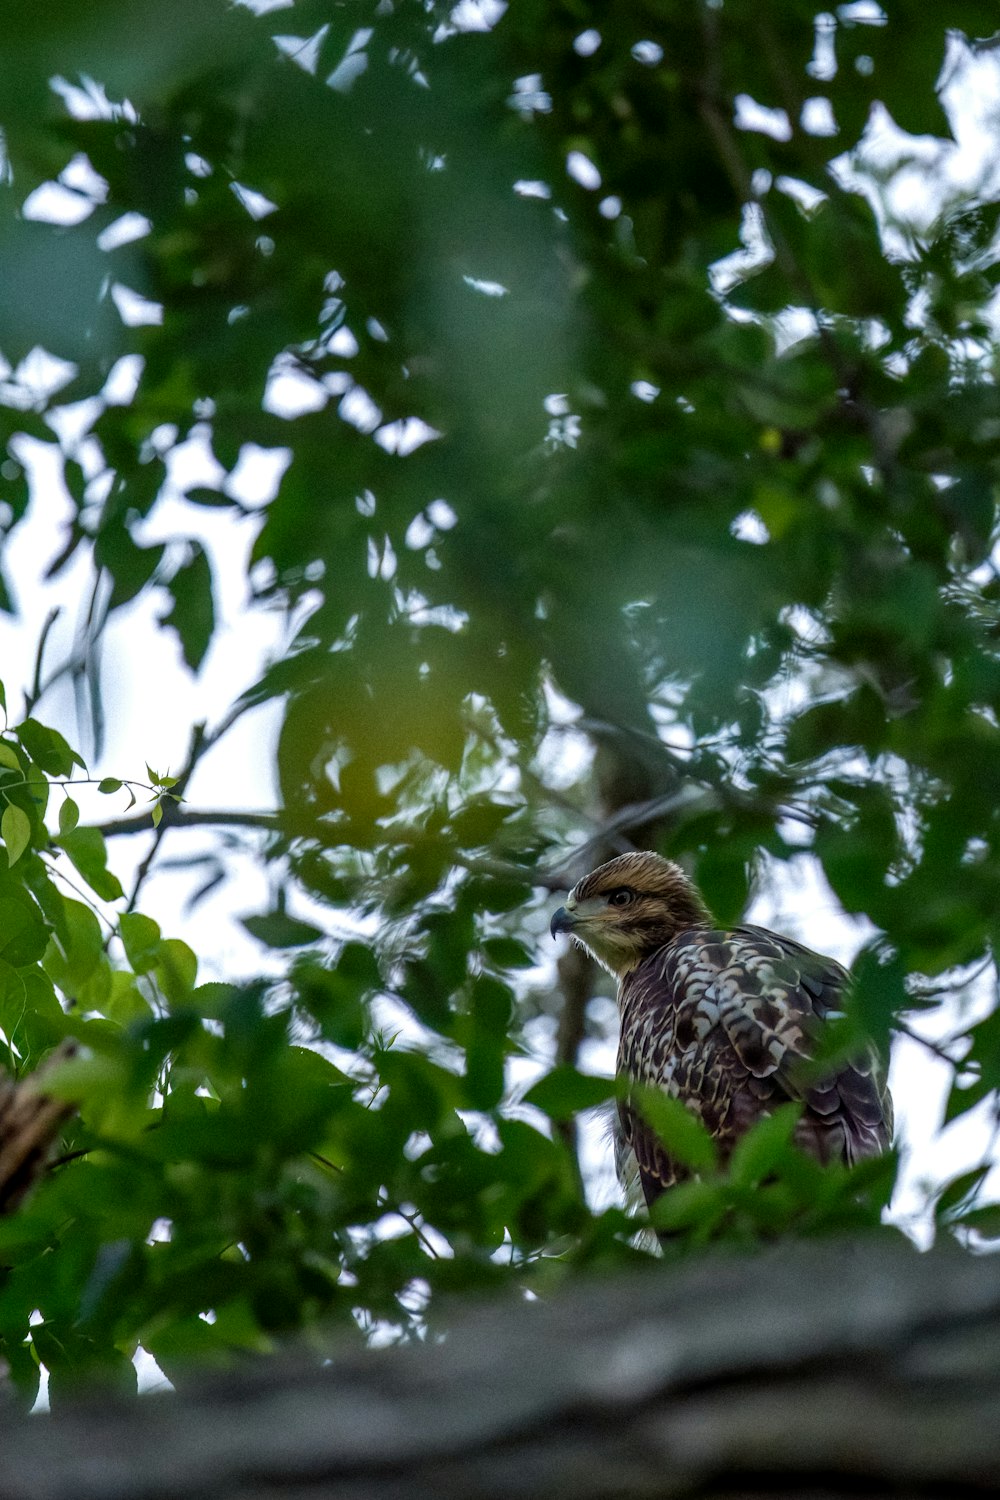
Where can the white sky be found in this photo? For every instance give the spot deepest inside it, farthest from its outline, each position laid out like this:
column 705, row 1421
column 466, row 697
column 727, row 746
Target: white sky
column 151, row 698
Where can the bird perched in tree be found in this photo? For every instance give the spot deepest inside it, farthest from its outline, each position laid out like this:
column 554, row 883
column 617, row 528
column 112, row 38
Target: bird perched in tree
column 724, row 1020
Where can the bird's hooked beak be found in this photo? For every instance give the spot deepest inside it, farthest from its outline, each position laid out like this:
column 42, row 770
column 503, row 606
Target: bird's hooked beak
column 564, row 919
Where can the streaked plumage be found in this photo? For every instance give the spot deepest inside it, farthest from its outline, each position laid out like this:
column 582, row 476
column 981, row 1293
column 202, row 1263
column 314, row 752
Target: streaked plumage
column 723, row 1020
column 30, row 1121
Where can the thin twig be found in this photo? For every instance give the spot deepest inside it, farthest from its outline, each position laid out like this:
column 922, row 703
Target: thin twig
column 36, row 689
column 555, row 878
column 385, row 1204
column 937, row 1048
column 59, row 873
column 197, row 747
column 931, row 991
column 181, row 817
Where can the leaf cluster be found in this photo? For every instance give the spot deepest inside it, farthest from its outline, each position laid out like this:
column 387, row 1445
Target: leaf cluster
column 601, row 364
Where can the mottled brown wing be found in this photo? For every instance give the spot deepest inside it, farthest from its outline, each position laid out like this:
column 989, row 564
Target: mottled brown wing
column 642, row 1166
column 726, row 1021
column 30, row 1121
column 781, row 995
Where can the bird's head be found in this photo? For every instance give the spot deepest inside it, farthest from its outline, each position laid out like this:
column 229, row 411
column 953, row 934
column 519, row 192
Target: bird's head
column 629, row 907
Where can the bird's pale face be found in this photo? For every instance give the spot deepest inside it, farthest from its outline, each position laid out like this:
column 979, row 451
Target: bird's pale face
column 629, row 907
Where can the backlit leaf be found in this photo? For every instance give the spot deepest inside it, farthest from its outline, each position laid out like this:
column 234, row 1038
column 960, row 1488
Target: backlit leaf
column 15, row 829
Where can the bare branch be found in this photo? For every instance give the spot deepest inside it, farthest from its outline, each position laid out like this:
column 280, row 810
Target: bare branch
column 185, row 817
column 851, row 1368
column 197, row 747
column 938, row 1049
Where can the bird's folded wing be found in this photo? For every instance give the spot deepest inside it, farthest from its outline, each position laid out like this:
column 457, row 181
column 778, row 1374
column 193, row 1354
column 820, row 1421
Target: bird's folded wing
column 30, row 1120
column 773, row 996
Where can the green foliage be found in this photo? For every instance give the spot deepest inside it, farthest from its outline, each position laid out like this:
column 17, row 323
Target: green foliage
column 710, row 447
column 563, row 1092
column 685, row 1137
column 771, row 1188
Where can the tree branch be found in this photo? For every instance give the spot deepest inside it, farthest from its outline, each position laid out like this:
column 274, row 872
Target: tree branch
column 200, row 742
column 835, row 1369
column 181, row 817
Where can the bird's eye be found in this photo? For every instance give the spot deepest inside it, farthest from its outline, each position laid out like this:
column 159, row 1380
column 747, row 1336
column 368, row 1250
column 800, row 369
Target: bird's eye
column 621, row 898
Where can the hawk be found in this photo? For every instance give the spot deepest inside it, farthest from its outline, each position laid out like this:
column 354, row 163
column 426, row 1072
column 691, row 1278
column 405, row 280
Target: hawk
column 723, row 1020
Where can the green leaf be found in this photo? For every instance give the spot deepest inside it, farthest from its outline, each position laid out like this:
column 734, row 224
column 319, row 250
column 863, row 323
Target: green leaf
column 23, row 934
column 491, row 1005
column 877, row 994
column 763, row 1148
column 192, row 613
column 75, row 1360
column 724, row 878
column 484, row 1071
column 25, row 1371
column 335, row 995
column 564, row 1091
column 213, row 998
column 201, row 495
column 357, row 964
column 985, row 1220
column 15, row 829
column 48, row 749
column 276, row 929
column 476, row 824
column 13, row 1003
column 690, row 1205
column 124, row 1002
column 960, row 1193
column 497, row 895
column 109, row 784
column 176, row 971
column 129, row 566
column 337, row 1007
column 8, row 758
column 87, row 850
column 141, row 940
column 681, row 1133
column 508, row 953
column 76, row 949
column 69, row 815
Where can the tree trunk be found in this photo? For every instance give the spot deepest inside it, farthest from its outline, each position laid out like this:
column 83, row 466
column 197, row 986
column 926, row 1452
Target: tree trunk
column 809, row 1370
